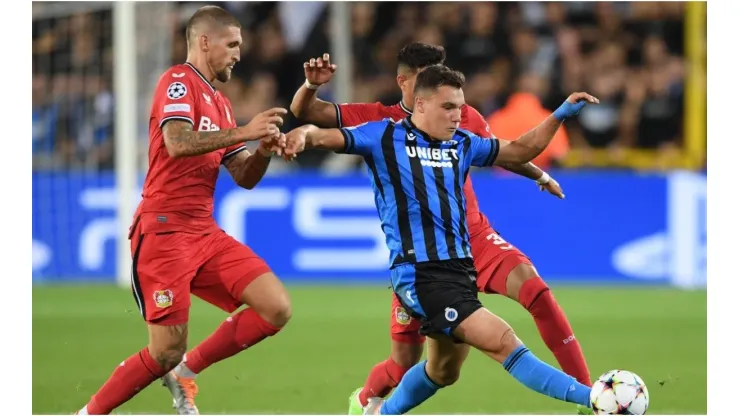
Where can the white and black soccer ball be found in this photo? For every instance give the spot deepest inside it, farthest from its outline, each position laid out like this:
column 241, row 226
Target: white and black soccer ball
column 619, row 392
column 176, row 90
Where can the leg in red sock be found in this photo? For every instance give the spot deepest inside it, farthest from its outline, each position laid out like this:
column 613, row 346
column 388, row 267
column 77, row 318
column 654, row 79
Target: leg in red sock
column 383, row 378
column 407, row 346
column 237, row 333
column 128, row 379
column 525, row 286
column 224, row 283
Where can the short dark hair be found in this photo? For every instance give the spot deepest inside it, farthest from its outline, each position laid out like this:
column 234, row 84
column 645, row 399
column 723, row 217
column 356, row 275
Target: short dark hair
column 435, row 76
column 417, row 55
column 213, row 15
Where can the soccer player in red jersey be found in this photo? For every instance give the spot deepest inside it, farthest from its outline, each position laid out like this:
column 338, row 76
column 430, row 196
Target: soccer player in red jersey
column 502, row 268
column 176, row 245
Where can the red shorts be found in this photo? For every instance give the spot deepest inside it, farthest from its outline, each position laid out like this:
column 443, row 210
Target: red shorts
column 168, row 267
column 494, row 259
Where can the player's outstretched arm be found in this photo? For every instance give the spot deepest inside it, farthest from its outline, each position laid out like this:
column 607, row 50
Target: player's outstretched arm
column 182, row 141
column 312, row 137
column 247, row 169
column 305, row 105
column 532, row 143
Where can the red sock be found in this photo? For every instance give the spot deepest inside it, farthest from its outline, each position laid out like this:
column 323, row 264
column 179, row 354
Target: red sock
column 238, row 332
column 554, row 328
column 382, row 379
column 128, row 379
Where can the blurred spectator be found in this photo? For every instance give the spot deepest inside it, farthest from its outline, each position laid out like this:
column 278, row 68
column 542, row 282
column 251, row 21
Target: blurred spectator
column 521, row 61
column 523, row 112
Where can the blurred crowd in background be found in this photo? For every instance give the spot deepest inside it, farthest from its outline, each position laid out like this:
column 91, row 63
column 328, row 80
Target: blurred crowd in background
column 521, row 61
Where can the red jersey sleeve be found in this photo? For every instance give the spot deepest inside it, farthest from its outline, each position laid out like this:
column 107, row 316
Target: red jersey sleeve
column 476, row 124
column 353, row 114
column 174, row 98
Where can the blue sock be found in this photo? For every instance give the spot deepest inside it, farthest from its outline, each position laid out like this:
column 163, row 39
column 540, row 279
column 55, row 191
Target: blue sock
column 543, row 378
column 415, row 387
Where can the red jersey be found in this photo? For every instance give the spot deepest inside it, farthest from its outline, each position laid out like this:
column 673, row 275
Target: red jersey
column 357, row 113
column 178, row 193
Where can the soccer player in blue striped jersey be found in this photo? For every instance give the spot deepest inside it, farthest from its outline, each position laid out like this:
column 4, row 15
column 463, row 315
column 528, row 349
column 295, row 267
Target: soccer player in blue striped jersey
column 417, row 168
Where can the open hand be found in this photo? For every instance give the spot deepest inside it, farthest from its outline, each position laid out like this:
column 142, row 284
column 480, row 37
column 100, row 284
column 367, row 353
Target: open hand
column 553, row 187
column 574, row 103
column 319, row 70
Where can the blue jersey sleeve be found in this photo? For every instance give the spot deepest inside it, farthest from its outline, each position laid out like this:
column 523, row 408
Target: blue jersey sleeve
column 360, row 140
column 483, row 151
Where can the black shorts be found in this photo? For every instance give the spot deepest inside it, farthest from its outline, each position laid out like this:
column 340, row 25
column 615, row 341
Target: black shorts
column 441, row 294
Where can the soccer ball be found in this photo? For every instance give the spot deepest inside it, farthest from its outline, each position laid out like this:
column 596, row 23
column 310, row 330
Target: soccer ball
column 619, row 392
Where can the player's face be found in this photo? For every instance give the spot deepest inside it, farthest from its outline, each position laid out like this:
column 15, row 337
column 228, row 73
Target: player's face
column 442, row 111
column 224, row 52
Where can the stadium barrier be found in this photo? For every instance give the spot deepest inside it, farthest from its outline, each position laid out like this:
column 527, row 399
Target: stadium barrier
column 612, row 228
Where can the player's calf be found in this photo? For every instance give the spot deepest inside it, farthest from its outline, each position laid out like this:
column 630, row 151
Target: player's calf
column 524, row 285
column 166, row 347
column 385, row 375
column 269, row 311
column 494, row 337
column 445, row 359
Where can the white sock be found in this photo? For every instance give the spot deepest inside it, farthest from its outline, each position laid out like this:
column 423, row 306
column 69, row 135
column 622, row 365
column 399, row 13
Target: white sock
column 83, row 411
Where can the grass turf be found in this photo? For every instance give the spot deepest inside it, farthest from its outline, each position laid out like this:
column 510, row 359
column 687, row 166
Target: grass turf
column 80, row 333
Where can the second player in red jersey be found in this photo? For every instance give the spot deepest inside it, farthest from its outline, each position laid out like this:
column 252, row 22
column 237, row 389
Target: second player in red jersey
column 176, row 246
column 502, row 268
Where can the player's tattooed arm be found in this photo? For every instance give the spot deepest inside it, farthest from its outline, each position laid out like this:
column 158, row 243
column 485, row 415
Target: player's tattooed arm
column 247, row 169
column 182, row 141
column 306, row 105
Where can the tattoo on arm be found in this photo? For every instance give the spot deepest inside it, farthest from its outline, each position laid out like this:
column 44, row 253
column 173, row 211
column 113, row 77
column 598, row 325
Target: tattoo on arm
column 181, row 140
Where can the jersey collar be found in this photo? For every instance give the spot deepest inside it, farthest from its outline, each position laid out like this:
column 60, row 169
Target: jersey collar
column 404, row 108
column 201, row 76
column 411, row 126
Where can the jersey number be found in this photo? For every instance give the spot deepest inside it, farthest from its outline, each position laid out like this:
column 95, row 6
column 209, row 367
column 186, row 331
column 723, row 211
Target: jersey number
column 498, row 241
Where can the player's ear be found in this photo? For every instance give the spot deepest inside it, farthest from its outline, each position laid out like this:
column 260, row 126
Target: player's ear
column 204, row 43
column 419, row 103
column 400, row 79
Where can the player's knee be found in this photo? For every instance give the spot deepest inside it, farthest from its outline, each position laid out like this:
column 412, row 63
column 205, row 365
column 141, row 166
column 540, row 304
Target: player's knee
column 279, row 311
column 406, row 355
column 520, row 276
column 167, row 344
column 509, row 342
column 168, row 357
column 444, row 375
column 530, row 291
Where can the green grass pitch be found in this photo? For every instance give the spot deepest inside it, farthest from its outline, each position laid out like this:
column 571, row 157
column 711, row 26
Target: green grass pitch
column 80, row 333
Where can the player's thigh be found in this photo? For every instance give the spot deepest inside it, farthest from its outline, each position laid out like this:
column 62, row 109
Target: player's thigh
column 441, row 294
column 495, row 260
column 407, row 344
column 445, row 358
column 234, row 275
column 488, row 333
column 162, row 268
